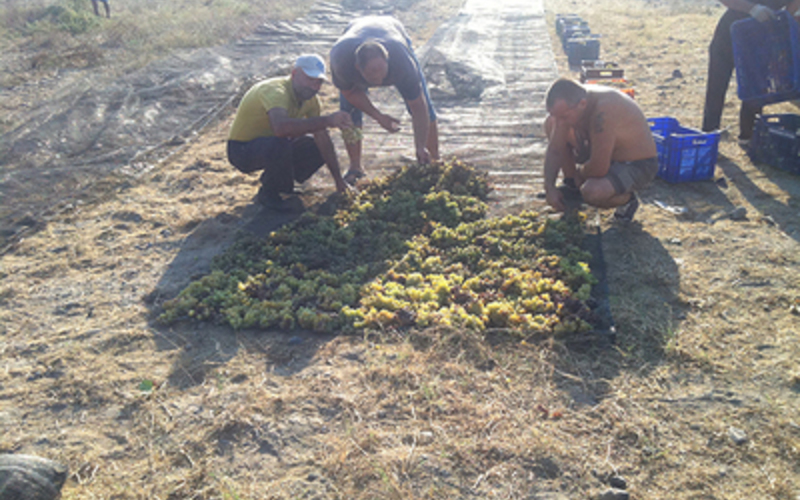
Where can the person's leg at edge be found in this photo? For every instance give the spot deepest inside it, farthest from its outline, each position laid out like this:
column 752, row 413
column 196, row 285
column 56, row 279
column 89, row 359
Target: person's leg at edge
column 747, row 120
column 94, row 6
column 720, row 70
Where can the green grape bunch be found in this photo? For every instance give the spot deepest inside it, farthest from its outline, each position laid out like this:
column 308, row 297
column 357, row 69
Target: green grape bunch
column 413, row 249
column 351, row 135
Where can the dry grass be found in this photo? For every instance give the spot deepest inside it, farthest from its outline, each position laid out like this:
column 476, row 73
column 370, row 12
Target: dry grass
column 707, row 342
column 38, row 43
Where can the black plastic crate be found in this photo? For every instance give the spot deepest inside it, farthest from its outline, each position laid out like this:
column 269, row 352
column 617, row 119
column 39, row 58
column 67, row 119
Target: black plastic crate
column 586, row 48
column 573, row 32
column 776, row 142
column 601, row 70
column 564, row 20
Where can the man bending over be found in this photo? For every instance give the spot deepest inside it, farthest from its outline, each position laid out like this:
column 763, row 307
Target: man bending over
column 375, row 51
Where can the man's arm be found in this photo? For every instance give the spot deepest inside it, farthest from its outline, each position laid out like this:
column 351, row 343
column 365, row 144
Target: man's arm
column 602, row 136
column 284, row 126
column 323, row 141
column 360, row 100
column 421, row 121
column 556, row 157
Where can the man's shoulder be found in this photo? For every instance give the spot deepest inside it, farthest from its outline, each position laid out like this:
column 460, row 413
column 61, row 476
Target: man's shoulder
column 277, row 82
column 611, row 101
column 270, row 93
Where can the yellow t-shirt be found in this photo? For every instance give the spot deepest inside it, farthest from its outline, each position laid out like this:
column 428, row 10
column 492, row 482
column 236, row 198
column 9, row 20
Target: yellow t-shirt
column 251, row 118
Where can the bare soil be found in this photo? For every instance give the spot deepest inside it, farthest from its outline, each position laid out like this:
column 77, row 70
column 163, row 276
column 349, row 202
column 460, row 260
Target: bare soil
column 698, row 398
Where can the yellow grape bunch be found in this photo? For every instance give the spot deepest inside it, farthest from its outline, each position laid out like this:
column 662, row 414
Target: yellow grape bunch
column 351, row 135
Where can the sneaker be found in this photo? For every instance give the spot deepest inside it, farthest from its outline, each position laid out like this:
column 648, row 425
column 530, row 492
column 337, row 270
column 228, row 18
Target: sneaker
column 624, row 213
column 352, row 176
column 272, row 200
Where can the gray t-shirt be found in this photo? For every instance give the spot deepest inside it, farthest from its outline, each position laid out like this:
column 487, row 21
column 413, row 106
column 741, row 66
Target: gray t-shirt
column 403, row 73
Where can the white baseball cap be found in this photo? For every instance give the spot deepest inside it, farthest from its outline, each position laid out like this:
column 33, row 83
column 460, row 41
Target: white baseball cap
column 312, row 65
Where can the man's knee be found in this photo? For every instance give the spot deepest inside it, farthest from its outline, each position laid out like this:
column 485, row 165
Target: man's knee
column 597, row 192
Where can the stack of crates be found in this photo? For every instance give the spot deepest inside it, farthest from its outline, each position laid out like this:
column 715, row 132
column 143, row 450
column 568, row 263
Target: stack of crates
column 606, row 73
column 776, row 142
column 684, row 154
column 767, row 59
column 577, row 39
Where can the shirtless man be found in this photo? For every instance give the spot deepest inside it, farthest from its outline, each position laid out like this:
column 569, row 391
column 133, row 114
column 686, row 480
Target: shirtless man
column 601, row 142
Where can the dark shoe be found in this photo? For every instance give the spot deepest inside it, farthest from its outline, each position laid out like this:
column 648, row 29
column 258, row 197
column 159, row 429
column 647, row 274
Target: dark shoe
column 272, row 200
column 625, row 213
column 352, row 176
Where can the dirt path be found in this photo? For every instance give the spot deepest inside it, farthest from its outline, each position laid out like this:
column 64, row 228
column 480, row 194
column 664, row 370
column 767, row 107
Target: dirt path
column 83, row 127
column 489, row 68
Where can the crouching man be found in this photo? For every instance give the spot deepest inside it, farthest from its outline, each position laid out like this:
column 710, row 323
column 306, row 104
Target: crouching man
column 600, row 141
column 278, row 130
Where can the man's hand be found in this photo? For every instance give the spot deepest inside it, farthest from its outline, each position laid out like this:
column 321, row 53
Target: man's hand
column 340, row 119
column 423, row 156
column 389, row 123
column 555, row 199
column 343, row 187
column 762, row 13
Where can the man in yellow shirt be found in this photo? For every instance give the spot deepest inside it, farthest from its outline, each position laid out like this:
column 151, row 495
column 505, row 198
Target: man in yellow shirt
column 278, row 129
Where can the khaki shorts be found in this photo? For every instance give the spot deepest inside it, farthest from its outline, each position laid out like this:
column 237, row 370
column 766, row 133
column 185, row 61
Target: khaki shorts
column 629, row 176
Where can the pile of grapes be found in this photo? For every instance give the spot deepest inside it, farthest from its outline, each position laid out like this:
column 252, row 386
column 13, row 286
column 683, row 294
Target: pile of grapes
column 412, row 249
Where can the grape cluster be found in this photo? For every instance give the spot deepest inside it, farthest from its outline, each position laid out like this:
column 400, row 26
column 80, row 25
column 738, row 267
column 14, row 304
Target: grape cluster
column 491, row 273
column 412, row 249
column 352, row 135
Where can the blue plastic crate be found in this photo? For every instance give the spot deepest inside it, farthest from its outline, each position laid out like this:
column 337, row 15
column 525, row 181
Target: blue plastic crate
column 684, row 154
column 585, row 48
column 776, row 142
column 767, row 58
